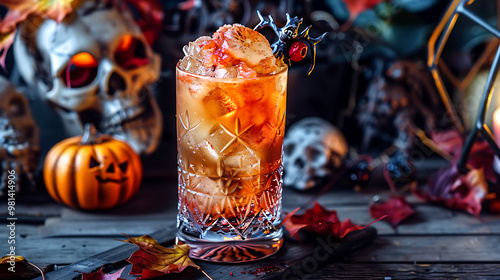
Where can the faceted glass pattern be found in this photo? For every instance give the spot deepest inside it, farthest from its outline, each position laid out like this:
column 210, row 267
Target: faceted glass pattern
column 229, row 142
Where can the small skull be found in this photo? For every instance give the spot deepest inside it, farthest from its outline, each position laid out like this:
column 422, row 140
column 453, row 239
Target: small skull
column 94, row 67
column 313, row 149
column 18, row 138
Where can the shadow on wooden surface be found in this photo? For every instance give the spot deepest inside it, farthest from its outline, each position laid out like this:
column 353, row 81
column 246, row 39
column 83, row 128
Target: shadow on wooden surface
column 294, row 260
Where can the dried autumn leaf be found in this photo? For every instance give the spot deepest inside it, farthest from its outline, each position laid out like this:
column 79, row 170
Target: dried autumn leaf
column 356, row 7
column 396, row 210
column 23, row 269
column 102, row 276
column 450, row 141
column 494, row 205
column 321, row 221
column 6, row 40
column 57, row 10
column 7, row 259
column 148, row 274
column 451, row 188
column 153, row 256
column 480, row 156
column 19, row 10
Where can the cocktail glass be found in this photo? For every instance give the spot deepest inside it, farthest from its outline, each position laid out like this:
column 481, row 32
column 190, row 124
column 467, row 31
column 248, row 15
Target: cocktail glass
column 229, row 143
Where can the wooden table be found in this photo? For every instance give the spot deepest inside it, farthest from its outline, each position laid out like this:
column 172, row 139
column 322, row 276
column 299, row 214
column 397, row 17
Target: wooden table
column 435, row 243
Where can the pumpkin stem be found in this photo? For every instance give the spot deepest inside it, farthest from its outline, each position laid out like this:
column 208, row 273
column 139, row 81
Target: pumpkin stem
column 90, row 135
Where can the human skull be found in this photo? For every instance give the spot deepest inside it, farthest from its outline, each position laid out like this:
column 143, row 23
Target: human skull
column 312, row 150
column 18, row 138
column 94, row 67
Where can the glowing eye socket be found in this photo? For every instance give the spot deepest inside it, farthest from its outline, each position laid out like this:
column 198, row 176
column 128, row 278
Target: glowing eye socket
column 81, row 71
column 125, row 43
column 84, row 60
column 131, row 53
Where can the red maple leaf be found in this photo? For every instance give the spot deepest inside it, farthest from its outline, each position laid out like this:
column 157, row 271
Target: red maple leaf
column 356, row 7
column 494, row 205
column 480, row 156
column 321, row 221
column 148, row 274
column 450, row 141
column 455, row 190
column 102, row 276
column 395, row 210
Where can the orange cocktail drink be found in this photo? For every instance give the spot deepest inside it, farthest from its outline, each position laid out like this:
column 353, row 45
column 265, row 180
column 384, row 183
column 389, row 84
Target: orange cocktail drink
column 230, row 128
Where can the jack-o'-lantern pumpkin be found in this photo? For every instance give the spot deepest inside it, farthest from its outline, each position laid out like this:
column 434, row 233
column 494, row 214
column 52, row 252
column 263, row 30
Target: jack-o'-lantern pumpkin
column 92, row 171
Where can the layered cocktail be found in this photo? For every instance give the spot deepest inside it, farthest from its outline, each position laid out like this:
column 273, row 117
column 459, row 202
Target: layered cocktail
column 231, row 108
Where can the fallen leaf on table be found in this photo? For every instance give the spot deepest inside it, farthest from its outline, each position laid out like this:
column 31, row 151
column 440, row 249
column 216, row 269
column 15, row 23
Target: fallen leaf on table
column 23, row 269
column 450, row 141
column 480, row 156
column 321, row 221
column 153, row 256
column 288, row 216
column 7, row 259
column 395, row 210
column 449, row 187
column 356, row 7
column 494, row 205
column 149, row 274
column 102, row 276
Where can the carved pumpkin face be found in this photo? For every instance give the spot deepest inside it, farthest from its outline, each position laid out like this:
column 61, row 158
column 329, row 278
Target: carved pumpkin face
column 92, row 172
column 108, row 169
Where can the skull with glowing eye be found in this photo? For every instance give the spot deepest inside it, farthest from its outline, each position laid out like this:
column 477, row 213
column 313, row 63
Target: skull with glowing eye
column 18, row 138
column 94, row 67
column 312, row 150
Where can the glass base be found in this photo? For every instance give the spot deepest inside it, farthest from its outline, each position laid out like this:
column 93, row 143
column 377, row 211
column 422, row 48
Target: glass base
column 232, row 251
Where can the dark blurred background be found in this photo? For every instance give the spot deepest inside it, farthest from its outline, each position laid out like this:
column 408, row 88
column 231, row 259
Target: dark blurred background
column 347, row 60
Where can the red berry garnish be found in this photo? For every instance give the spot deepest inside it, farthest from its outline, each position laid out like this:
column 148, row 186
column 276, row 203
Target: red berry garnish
column 298, row 51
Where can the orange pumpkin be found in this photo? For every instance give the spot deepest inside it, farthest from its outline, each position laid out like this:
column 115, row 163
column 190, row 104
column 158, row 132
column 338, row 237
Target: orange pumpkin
column 92, row 172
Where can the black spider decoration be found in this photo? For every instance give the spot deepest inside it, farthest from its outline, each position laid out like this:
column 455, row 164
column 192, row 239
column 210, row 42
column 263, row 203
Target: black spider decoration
column 290, row 44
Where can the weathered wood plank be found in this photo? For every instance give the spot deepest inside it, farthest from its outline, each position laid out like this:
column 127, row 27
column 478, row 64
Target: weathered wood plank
column 64, row 250
column 431, row 249
column 428, row 220
column 113, row 255
column 76, row 215
column 22, row 231
column 292, row 254
column 363, row 271
column 58, row 227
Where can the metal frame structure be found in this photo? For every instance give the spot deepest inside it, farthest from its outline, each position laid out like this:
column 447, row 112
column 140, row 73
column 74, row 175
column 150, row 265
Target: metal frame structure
column 435, row 47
